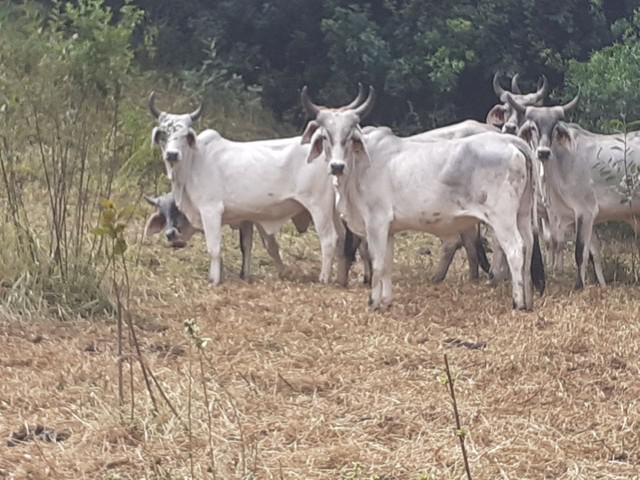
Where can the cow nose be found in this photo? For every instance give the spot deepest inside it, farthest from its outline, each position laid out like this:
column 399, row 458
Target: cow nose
column 172, row 157
column 171, row 234
column 337, row 168
column 509, row 128
column 544, row 153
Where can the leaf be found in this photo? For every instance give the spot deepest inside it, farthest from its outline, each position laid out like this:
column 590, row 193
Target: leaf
column 107, row 204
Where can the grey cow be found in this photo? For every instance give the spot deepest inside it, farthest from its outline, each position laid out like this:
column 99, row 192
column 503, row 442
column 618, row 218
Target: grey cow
column 178, row 231
column 584, row 178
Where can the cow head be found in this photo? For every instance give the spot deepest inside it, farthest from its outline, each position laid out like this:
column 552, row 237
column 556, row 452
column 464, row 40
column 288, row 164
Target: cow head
column 170, row 220
column 543, row 126
column 173, row 134
column 336, row 132
column 503, row 115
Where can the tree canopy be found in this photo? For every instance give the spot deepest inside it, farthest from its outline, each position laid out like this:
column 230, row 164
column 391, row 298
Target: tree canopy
column 431, row 61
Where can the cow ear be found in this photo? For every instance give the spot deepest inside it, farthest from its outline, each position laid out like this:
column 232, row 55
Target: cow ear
column 157, row 136
column 527, row 132
column 310, row 129
column 496, row 115
column 317, row 146
column 191, row 137
column 155, row 224
column 359, row 147
column 563, row 135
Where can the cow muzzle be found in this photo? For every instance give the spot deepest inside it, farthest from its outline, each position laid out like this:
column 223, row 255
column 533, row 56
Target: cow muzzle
column 544, row 153
column 337, row 168
column 509, row 128
column 172, row 157
column 174, row 238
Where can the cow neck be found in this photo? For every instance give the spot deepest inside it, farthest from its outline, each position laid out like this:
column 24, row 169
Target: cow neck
column 349, row 194
column 181, row 183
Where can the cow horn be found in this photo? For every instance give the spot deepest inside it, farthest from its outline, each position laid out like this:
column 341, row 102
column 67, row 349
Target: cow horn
column 514, row 84
column 366, row 107
column 359, row 99
column 196, row 113
column 496, row 86
column 514, row 103
column 311, row 108
column 544, row 88
column 152, row 105
column 151, row 201
column 569, row 107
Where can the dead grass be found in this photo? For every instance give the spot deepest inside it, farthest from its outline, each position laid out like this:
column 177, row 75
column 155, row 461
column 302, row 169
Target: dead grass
column 325, row 389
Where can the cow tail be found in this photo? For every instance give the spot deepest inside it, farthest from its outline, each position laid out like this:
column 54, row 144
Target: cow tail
column 537, row 264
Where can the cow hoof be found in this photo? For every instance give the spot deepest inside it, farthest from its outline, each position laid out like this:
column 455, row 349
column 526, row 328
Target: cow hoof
column 437, row 279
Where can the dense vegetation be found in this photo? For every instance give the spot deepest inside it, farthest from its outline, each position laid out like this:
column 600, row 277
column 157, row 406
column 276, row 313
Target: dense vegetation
column 432, row 60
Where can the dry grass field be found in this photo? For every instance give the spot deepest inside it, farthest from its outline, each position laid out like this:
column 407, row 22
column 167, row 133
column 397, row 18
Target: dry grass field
column 303, row 382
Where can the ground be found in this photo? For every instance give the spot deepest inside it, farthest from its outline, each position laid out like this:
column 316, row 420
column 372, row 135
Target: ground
column 303, row 382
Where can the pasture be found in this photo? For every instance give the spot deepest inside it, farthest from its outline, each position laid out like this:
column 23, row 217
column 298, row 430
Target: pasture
column 303, row 382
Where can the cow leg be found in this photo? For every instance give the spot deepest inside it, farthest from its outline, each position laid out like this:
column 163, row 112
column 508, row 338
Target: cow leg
column 499, row 268
column 387, row 287
column 324, row 223
column 366, row 261
column 529, row 274
column 449, row 248
column 513, row 246
column 596, row 254
column 246, row 243
column 377, row 237
column 212, row 227
column 270, row 244
column 469, row 243
column 584, row 232
column 346, row 249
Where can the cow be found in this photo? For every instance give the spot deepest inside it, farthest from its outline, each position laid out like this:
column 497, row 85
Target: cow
column 178, row 231
column 217, row 181
column 585, row 177
column 386, row 184
column 503, row 115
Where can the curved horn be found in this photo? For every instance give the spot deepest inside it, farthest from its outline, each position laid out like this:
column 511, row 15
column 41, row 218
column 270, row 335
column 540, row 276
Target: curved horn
column 544, row 88
column 152, row 105
column 311, row 108
column 196, row 113
column 366, row 107
column 496, row 86
column 359, row 99
column 515, row 88
column 151, row 201
column 513, row 102
column 569, row 107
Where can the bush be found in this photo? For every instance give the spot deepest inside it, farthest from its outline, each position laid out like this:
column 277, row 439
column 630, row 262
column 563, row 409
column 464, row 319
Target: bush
column 64, row 81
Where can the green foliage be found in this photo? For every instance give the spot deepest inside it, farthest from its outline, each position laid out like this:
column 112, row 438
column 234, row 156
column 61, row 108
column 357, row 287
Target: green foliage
column 608, row 85
column 64, row 79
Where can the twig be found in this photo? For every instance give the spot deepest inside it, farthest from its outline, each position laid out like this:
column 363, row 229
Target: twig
column 459, row 432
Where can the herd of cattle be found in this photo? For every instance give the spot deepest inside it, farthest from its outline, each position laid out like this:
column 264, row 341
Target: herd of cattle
column 523, row 171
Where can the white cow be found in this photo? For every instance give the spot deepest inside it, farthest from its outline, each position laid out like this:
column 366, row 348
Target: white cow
column 585, row 178
column 217, row 181
column 387, row 184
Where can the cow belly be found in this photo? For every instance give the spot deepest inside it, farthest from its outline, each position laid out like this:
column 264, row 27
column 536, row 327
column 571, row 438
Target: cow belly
column 441, row 227
column 271, row 217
